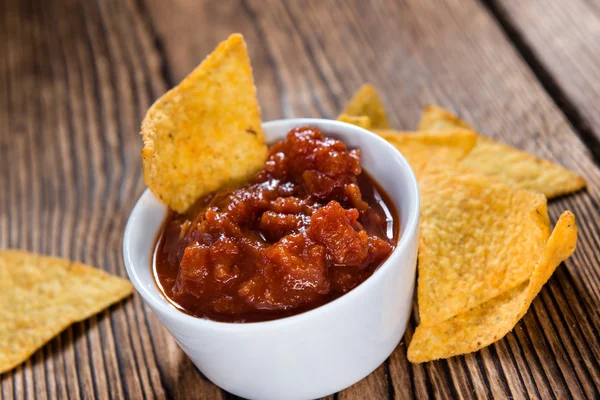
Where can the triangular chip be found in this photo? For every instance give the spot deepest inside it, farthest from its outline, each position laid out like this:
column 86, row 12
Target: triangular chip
column 359, row 120
column 522, row 170
column 491, row 321
column 206, row 132
column 478, row 238
column 420, row 147
column 435, row 118
column 367, row 102
column 516, row 168
column 41, row 296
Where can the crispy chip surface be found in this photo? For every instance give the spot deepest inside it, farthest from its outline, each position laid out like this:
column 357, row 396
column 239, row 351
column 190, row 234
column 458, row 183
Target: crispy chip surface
column 41, row 296
column 366, row 102
column 206, row 132
column 478, row 238
column 436, row 118
column 419, row 147
column 359, row 120
column 522, row 170
column 491, row 321
column 516, row 168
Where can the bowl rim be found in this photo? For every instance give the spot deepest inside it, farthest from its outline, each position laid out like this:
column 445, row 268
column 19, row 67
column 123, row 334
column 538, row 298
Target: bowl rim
column 410, row 228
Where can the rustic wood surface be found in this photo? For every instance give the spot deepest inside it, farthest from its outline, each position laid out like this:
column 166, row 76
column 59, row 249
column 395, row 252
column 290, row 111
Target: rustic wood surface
column 76, row 77
column 563, row 45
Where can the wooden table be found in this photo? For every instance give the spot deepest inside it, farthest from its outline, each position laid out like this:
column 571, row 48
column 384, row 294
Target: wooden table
column 77, row 76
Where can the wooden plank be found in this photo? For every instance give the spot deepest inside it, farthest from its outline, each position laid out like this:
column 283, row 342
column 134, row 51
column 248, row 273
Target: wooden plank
column 561, row 42
column 77, row 76
column 375, row 385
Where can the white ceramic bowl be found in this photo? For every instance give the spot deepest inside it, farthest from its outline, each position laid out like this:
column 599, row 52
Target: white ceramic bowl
column 315, row 353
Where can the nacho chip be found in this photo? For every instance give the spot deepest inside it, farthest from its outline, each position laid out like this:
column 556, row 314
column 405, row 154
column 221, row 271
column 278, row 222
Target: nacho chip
column 435, row 118
column 491, row 321
column 41, row 296
column 359, row 120
column 522, row 170
column 367, row 102
column 478, row 239
column 206, row 132
column 419, row 147
column 516, row 168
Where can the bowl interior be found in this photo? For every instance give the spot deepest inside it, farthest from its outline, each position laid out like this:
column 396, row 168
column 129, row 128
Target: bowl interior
column 380, row 159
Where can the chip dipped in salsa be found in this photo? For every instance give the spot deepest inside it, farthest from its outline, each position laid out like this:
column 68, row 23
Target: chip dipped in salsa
column 304, row 230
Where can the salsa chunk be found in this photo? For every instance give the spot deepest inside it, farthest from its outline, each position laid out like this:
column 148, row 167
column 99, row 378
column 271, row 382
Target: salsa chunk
column 306, row 229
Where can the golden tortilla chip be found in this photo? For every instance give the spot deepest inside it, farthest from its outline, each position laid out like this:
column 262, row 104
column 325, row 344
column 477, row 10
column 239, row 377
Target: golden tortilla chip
column 478, row 238
column 435, row 118
column 516, row 168
column 522, row 170
column 359, row 120
column 367, row 102
column 419, row 147
column 41, row 296
column 491, row 321
column 206, row 132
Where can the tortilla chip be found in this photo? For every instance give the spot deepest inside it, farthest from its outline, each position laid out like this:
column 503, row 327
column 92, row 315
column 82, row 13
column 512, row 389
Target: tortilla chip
column 367, row 102
column 419, row 147
column 435, row 118
column 516, row 168
column 206, row 132
column 491, row 321
column 478, row 239
column 359, row 120
column 522, row 170
column 41, row 296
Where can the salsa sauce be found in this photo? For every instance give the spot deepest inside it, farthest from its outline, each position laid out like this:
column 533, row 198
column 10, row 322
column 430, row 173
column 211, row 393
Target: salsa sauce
column 305, row 230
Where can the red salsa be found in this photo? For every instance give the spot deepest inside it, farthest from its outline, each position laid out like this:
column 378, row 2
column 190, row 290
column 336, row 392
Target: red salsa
column 303, row 231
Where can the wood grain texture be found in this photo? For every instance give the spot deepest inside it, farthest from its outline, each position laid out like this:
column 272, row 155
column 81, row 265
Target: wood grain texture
column 77, row 76
column 562, row 46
